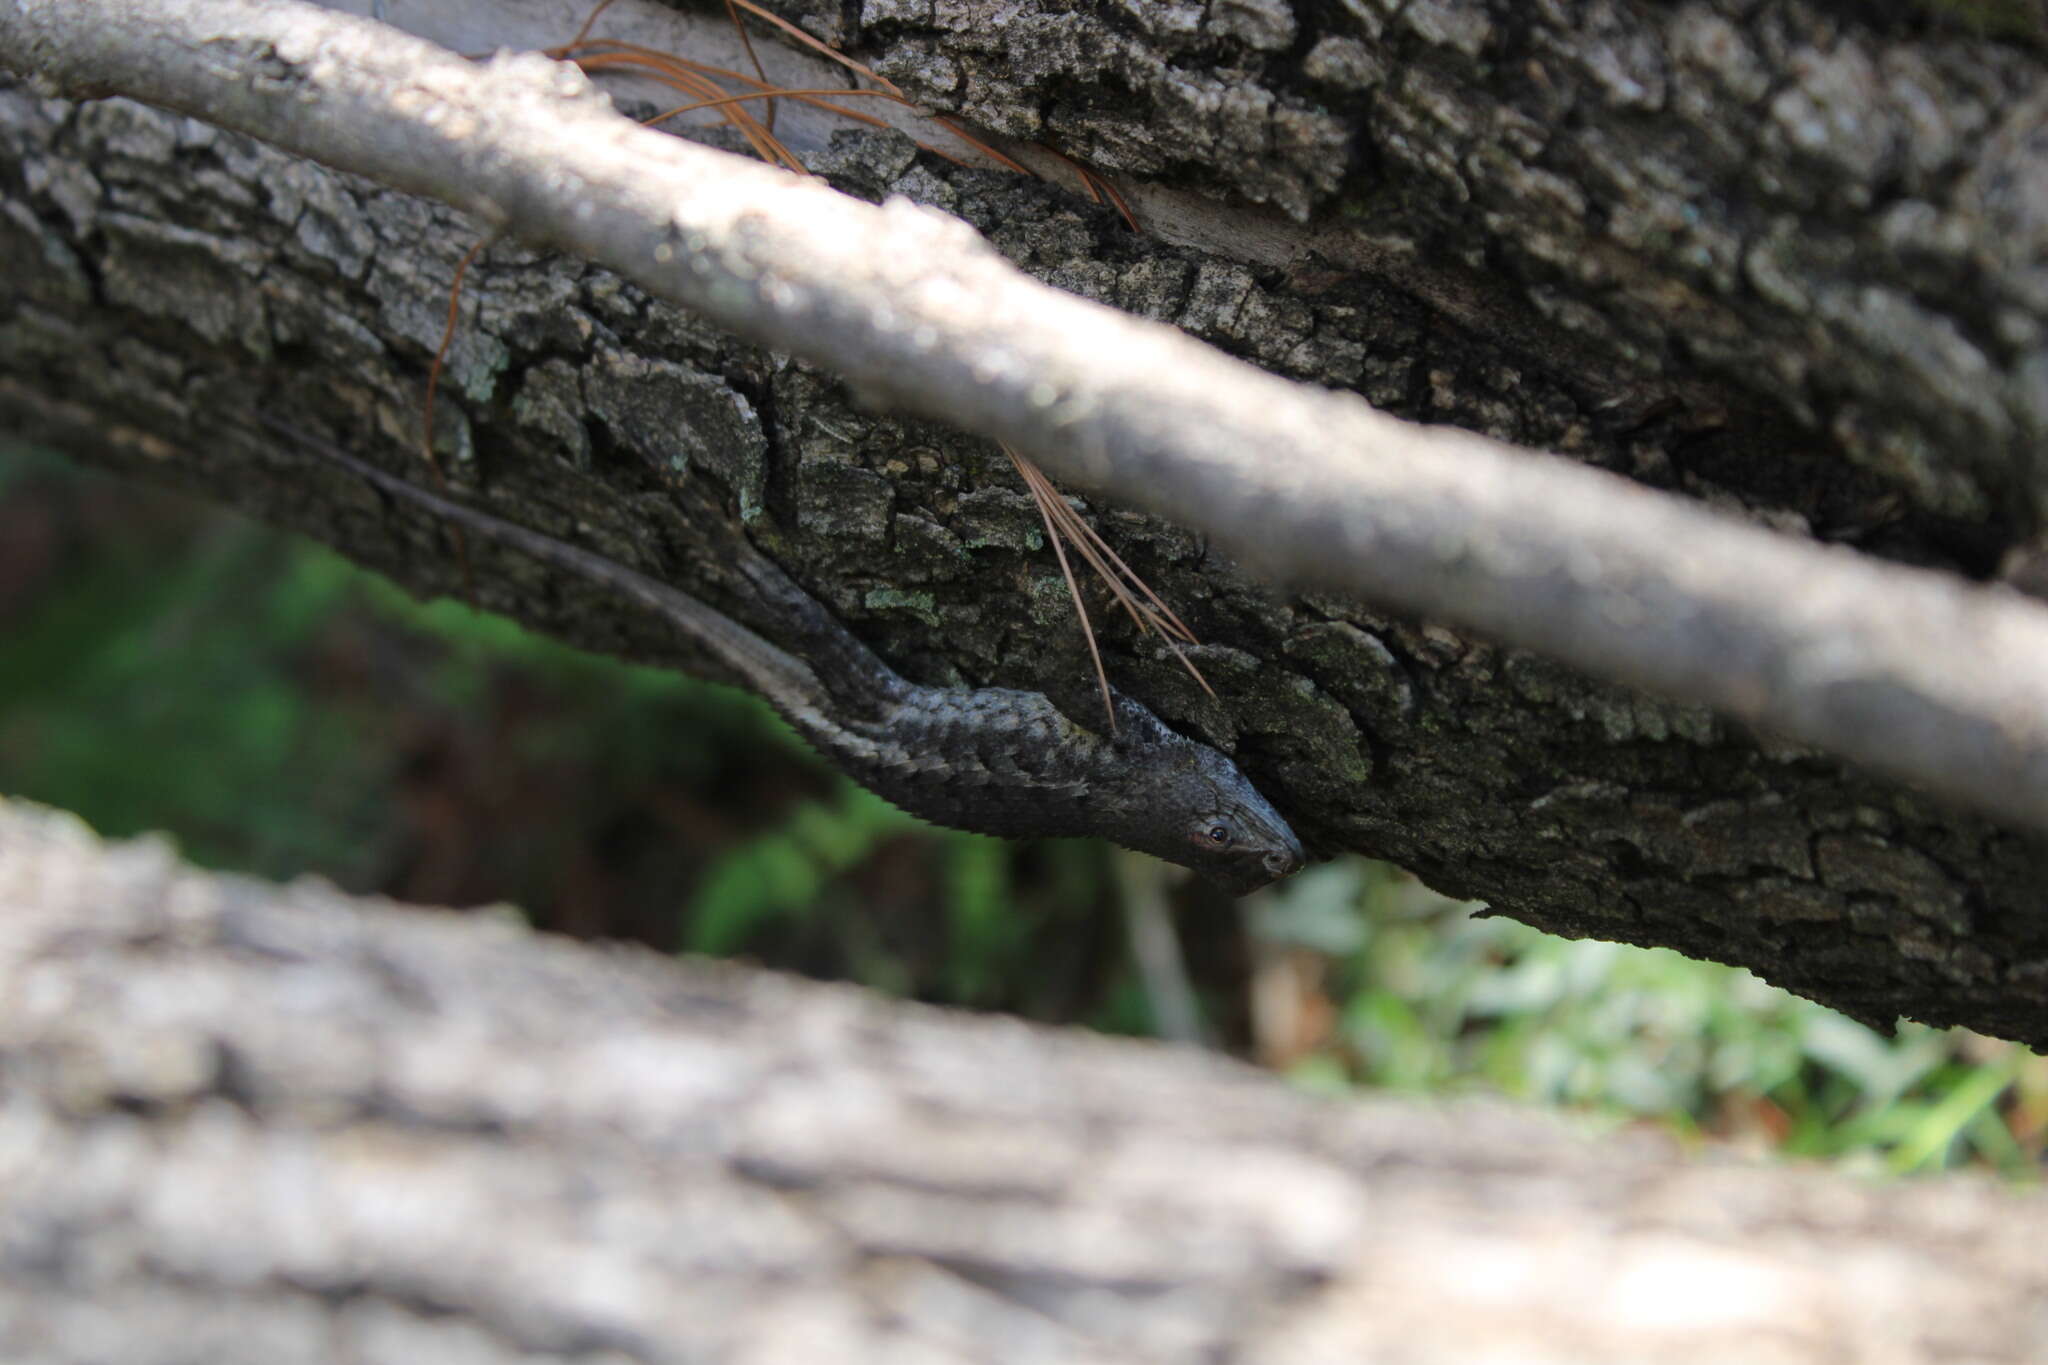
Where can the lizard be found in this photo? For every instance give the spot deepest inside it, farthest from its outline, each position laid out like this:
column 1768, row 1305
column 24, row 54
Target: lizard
column 991, row 760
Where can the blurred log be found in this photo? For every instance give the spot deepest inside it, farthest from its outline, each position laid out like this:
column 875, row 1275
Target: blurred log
column 253, row 1123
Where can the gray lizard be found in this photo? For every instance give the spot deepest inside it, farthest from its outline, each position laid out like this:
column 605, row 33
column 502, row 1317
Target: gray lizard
column 993, row 760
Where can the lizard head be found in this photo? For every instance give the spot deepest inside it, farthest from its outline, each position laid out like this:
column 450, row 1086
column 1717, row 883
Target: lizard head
column 1230, row 834
column 1198, row 810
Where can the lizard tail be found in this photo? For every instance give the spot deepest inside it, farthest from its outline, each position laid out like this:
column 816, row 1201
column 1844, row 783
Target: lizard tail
column 789, row 683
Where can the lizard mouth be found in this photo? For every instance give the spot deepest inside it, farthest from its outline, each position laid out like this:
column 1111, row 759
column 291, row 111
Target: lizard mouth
column 1241, row 879
column 1281, row 862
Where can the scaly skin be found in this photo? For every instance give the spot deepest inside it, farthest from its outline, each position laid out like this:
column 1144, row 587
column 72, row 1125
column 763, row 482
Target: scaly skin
column 992, row 760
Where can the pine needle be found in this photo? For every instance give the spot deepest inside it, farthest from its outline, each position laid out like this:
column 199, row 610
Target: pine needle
column 1098, row 186
column 1059, row 550
column 588, row 20
column 747, row 42
column 774, row 94
column 684, row 76
column 858, row 68
column 1147, row 610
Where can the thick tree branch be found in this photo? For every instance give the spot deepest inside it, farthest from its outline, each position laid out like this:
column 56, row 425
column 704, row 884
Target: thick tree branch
column 1830, row 208
column 1312, row 487
column 247, row 1123
column 183, row 275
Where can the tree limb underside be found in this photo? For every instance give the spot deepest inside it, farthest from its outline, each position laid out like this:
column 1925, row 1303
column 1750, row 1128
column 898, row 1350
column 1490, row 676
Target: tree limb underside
column 188, row 275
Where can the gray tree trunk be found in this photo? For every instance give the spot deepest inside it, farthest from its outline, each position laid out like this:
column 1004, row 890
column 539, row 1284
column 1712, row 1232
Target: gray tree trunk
column 1774, row 257
column 258, row 1126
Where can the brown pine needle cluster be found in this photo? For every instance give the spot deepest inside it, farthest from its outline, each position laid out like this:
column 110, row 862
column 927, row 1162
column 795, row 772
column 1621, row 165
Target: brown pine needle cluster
column 702, row 84
column 701, row 81
column 1148, row 611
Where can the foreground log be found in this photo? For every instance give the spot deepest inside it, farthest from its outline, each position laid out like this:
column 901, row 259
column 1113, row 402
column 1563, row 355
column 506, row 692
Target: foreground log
column 251, row 1123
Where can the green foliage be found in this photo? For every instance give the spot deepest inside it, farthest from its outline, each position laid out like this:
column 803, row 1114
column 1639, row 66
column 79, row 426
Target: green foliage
column 786, row 871
column 985, row 920
column 1430, row 998
column 256, row 697
column 92, row 721
column 1993, row 18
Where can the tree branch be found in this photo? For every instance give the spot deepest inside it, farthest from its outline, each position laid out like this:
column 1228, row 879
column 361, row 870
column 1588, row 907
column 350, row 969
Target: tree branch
column 185, row 275
column 1311, row 487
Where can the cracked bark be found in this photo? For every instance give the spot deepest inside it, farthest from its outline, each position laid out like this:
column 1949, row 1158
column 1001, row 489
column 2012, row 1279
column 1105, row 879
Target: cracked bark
column 246, row 1123
column 1653, row 239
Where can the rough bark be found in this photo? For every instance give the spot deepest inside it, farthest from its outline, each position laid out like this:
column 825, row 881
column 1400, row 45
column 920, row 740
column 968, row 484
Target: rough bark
column 179, row 262
column 255, row 1124
column 1826, row 210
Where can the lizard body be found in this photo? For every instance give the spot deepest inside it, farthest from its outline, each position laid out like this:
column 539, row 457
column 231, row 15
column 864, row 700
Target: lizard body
column 992, row 760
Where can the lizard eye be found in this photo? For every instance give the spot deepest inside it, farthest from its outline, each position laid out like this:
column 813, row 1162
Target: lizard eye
column 1219, row 834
